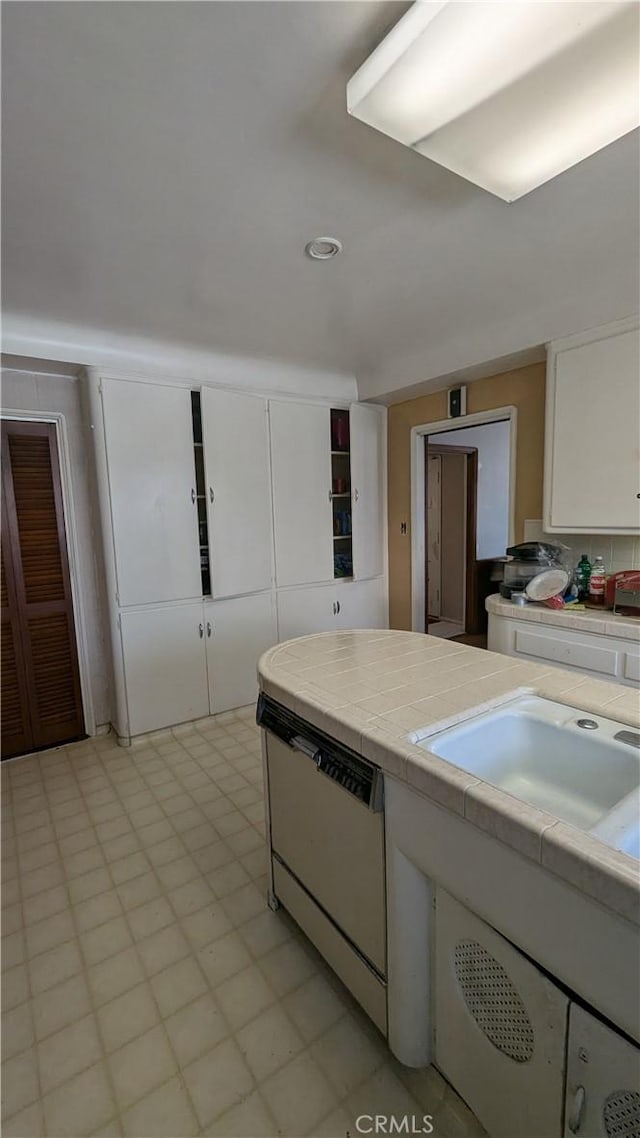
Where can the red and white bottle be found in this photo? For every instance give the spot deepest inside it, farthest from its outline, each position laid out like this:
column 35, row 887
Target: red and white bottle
column 597, row 584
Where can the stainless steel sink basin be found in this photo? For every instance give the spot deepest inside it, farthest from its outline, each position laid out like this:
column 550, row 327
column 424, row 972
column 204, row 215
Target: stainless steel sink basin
column 583, row 769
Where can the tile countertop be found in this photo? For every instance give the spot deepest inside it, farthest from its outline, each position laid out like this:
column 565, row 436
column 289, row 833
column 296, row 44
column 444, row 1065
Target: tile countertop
column 601, row 621
column 368, row 690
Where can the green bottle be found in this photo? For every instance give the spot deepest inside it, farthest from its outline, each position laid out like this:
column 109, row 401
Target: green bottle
column 583, row 576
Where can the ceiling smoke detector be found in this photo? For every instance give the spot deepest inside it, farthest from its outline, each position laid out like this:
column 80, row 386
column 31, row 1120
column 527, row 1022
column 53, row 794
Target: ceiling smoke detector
column 323, row 248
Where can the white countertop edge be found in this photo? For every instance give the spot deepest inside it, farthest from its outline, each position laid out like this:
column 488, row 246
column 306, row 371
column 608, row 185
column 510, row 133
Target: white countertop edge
column 601, row 622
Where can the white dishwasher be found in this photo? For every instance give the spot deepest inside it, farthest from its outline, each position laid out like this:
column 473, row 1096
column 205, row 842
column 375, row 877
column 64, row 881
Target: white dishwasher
column 326, row 842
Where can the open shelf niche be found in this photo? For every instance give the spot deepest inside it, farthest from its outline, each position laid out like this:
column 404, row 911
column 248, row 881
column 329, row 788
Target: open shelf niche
column 341, row 494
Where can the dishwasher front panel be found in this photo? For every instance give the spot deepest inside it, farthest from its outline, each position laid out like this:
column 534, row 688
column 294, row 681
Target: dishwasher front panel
column 332, row 843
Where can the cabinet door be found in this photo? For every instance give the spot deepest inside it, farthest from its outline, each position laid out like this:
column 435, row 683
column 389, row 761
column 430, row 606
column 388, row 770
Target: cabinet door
column 303, row 611
column 236, row 455
column 603, row 1080
column 301, row 467
column 500, row 1027
column 238, row 632
column 366, row 484
column 362, row 605
column 594, row 454
column 165, row 666
column 149, row 440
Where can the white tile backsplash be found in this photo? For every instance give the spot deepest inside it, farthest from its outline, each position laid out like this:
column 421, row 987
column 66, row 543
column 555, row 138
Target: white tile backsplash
column 620, row 551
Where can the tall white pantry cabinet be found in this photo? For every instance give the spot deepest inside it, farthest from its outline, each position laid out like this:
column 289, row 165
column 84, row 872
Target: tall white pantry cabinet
column 219, row 511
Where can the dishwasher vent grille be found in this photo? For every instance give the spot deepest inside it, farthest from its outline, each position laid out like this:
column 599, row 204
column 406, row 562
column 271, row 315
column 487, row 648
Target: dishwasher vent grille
column 621, row 1115
column 493, row 1001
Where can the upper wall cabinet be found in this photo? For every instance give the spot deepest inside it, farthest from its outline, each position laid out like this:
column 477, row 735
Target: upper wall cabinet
column 149, row 440
column 367, row 462
column 328, row 494
column 302, row 505
column 592, row 444
column 236, row 460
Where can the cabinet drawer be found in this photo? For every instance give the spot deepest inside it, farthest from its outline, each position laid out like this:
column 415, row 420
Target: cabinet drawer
column 632, row 666
column 567, row 653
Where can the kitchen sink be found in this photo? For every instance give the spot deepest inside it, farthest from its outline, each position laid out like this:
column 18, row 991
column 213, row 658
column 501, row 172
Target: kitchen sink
column 583, row 769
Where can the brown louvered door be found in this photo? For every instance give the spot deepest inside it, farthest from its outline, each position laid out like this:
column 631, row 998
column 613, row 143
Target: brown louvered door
column 41, row 697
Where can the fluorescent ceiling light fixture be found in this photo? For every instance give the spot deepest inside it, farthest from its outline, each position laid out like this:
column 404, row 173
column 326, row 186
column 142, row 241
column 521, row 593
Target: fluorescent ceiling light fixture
column 508, row 95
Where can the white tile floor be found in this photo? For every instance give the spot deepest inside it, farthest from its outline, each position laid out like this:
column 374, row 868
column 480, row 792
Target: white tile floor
column 146, row 989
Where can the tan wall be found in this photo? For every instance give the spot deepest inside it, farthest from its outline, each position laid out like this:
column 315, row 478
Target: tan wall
column 523, row 388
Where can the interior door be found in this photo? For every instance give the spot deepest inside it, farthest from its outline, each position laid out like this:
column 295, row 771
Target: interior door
column 238, row 632
column 17, row 733
column 434, row 521
column 165, row 666
column 303, row 516
column 149, row 435
column 236, row 454
column 41, row 695
column 366, row 484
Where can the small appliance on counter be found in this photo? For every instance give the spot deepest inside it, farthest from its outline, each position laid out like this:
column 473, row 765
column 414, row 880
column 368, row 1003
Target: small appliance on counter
column 525, row 561
column 623, row 593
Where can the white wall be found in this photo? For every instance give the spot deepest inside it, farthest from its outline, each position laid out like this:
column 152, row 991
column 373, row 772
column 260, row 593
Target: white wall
column 492, row 442
column 27, row 390
column 97, row 347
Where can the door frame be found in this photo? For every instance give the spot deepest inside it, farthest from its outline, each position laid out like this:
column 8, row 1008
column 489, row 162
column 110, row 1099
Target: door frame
column 417, row 448
column 82, row 643
column 470, row 526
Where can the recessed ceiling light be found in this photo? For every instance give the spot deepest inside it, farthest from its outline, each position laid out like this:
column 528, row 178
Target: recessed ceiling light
column 508, row 95
column 323, row 248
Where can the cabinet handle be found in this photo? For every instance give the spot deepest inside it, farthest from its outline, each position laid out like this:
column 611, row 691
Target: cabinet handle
column 331, row 495
column 201, row 630
column 637, row 495
column 575, row 1117
column 211, row 494
column 356, row 495
column 193, row 495
column 208, row 628
column 338, row 603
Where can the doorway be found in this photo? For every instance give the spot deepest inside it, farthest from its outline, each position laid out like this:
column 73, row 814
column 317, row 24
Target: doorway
column 40, row 678
column 493, row 435
column 451, row 498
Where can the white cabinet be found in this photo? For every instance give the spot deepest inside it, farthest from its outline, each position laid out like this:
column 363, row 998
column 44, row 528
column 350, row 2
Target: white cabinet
column 603, row 656
column 184, row 662
column 500, row 1027
column 164, row 666
column 592, row 445
column 149, row 442
column 332, row 608
column 367, row 463
column 301, row 470
column 363, row 604
column 603, row 1080
column 238, row 632
column 236, row 458
column 304, row 611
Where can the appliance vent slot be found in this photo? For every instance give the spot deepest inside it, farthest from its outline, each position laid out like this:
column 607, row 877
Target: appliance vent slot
column 493, row 1001
column 621, row 1115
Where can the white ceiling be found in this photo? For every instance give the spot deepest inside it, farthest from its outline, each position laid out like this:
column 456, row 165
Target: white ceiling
column 165, row 163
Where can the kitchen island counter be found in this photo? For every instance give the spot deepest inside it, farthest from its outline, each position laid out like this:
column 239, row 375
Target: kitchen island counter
column 369, row 690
